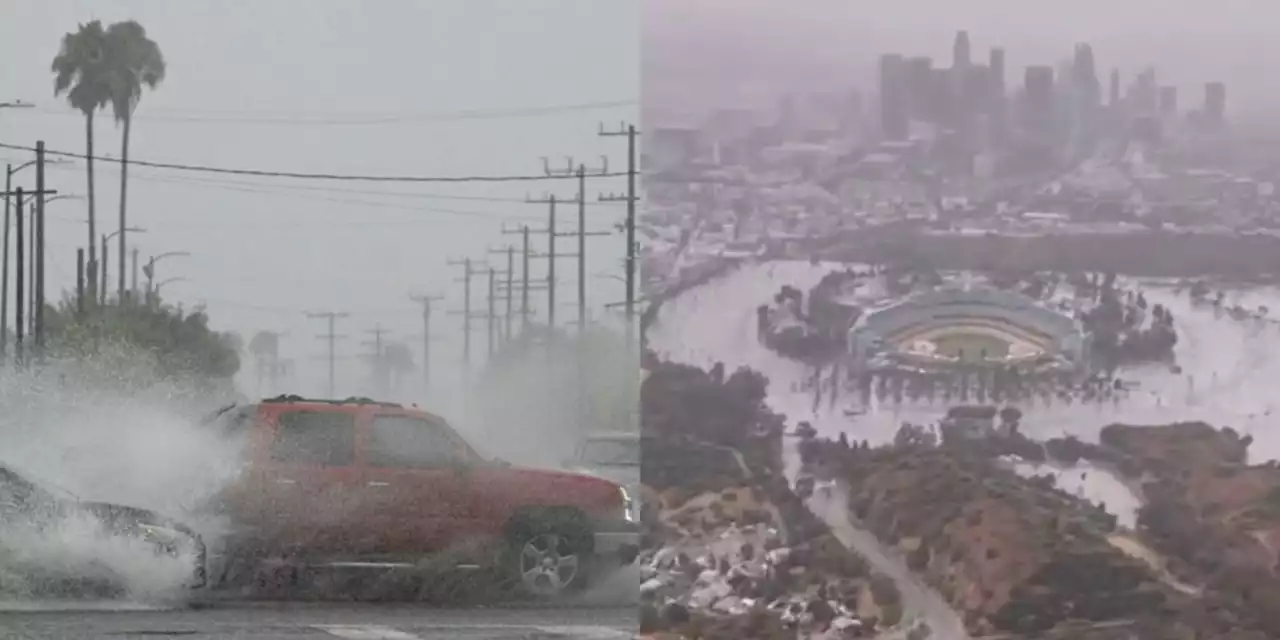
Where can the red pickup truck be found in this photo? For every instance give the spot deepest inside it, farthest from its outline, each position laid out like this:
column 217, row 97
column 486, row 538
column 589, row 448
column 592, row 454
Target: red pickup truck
column 363, row 484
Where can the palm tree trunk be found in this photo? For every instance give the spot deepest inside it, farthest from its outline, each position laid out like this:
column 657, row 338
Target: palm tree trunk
column 124, row 193
column 93, row 233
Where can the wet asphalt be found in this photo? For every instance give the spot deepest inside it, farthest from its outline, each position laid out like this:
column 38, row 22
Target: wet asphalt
column 292, row 621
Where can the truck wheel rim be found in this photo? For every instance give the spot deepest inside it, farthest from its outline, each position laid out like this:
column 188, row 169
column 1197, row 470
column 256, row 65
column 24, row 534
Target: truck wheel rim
column 548, row 564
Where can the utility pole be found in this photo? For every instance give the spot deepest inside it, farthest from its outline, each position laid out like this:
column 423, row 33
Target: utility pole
column 38, row 312
column 379, row 359
column 525, row 254
column 581, row 200
column 551, row 256
column 133, row 291
column 469, row 270
column 80, row 282
column 631, row 197
column 426, row 301
column 492, row 312
column 103, row 272
column 510, row 252
column 4, row 277
column 20, row 258
column 331, row 337
column 19, row 278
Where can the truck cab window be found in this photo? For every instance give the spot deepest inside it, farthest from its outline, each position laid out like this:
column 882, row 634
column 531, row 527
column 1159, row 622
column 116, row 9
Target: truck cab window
column 322, row 438
column 411, row 443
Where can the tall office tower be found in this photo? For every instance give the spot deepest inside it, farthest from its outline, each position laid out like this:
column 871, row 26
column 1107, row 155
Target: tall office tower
column 975, row 89
column 1168, row 100
column 919, row 72
column 996, row 65
column 1038, row 111
column 1039, row 87
column 960, row 57
column 942, row 97
column 1215, row 102
column 895, row 119
column 1115, row 87
column 1146, row 93
column 1084, row 76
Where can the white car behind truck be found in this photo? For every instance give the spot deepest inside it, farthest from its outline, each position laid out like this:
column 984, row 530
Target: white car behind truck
column 614, row 456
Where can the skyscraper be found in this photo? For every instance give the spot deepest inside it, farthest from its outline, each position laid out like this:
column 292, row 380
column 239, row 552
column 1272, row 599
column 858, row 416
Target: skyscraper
column 1084, row 77
column 895, row 118
column 960, row 56
column 942, row 97
column 1168, row 100
column 1115, row 88
column 1215, row 102
column 1146, row 96
column 1038, row 111
column 1039, row 87
column 998, row 106
column 996, row 64
column 919, row 71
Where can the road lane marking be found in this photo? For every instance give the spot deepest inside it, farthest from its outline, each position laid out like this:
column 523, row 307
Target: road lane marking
column 380, row 632
column 365, row 632
column 587, row 632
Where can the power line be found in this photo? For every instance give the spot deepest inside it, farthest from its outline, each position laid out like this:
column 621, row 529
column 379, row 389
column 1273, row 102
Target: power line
column 286, row 191
column 282, row 118
column 283, row 188
column 248, row 306
column 297, row 175
column 356, row 201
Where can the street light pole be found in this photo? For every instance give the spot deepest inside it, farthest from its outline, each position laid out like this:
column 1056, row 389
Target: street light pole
column 4, row 277
column 106, row 238
column 162, row 283
column 150, row 269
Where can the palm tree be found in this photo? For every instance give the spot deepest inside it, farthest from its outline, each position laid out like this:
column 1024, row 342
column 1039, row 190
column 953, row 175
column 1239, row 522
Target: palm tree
column 80, row 70
column 396, row 361
column 135, row 62
column 265, row 348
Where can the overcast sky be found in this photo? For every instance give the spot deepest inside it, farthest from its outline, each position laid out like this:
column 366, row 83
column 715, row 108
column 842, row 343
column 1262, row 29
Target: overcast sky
column 738, row 50
column 264, row 251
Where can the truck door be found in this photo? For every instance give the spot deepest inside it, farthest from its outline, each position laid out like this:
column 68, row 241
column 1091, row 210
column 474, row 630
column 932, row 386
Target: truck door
column 417, row 487
column 311, row 481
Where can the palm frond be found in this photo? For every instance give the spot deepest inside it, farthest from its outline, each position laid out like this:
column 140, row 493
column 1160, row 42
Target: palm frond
column 80, row 67
column 136, row 62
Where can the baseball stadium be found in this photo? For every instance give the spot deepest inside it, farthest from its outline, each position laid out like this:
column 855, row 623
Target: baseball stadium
column 967, row 328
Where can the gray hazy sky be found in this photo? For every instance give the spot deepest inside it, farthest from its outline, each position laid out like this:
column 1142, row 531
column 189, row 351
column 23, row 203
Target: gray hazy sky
column 743, row 49
column 266, row 250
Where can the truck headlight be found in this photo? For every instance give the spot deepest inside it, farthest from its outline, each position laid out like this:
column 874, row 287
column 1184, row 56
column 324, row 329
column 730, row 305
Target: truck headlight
column 169, row 541
column 628, row 506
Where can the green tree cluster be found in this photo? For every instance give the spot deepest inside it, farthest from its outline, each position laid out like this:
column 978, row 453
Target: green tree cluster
column 165, row 340
column 679, row 400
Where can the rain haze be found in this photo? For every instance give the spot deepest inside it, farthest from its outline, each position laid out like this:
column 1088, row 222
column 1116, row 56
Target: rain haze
column 998, row 279
column 755, row 50
column 397, row 88
column 308, row 177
